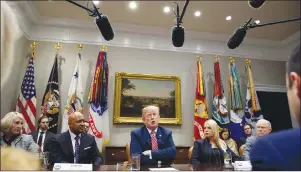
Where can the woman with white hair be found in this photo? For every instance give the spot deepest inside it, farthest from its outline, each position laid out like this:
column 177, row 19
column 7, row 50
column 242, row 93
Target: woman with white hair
column 211, row 149
column 11, row 133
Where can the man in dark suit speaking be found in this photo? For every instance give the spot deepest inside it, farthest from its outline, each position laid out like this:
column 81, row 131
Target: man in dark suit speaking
column 75, row 146
column 154, row 143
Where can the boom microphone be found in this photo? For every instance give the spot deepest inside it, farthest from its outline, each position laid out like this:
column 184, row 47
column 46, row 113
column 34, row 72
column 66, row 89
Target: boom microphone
column 178, row 36
column 105, row 27
column 256, row 3
column 238, row 36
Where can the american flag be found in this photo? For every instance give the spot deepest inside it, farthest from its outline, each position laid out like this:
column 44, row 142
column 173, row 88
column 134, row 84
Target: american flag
column 26, row 103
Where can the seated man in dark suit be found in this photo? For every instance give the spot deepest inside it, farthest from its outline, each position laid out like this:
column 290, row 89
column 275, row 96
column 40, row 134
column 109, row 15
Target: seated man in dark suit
column 154, row 143
column 281, row 150
column 42, row 135
column 75, row 146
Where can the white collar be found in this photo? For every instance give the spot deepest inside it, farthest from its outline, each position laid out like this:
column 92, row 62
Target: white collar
column 42, row 131
column 150, row 131
column 72, row 135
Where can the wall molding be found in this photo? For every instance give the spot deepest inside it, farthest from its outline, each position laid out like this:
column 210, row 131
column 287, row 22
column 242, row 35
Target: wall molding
column 40, row 28
column 270, row 88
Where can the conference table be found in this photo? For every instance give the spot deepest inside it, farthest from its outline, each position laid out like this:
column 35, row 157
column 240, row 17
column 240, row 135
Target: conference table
column 180, row 167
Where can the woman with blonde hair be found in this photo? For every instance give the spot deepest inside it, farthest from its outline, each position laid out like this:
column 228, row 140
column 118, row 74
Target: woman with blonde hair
column 211, row 149
column 11, row 133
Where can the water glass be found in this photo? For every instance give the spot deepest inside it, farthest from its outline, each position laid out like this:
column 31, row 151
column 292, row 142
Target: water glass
column 135, row 158
column 227, row 160
column 124, row 166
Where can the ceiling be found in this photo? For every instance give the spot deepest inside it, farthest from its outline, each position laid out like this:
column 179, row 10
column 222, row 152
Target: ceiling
column 212, row 19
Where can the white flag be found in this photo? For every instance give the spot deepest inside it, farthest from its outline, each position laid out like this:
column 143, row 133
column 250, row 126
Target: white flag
column 75, row 95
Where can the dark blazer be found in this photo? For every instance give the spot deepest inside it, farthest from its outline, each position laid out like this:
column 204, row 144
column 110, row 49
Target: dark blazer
column 62, row 150
column 49, row 135
column 277, row 151
column 141, row 141
column 202, row 153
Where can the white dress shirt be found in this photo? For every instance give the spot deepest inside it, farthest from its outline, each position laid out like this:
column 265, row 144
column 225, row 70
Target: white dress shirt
column 43, row 138
column 72, row 135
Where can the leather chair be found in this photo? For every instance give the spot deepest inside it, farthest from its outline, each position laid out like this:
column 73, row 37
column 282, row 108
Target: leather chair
column 190, row 152
column 241, row 150
column 127, row 150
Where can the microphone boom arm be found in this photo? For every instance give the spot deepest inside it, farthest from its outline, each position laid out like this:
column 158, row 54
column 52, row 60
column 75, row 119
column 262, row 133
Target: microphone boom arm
column 85, row 8
column 184, row 10
column 254, row 25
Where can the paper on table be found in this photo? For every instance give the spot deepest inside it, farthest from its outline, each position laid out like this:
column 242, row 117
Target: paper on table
column 163, row 169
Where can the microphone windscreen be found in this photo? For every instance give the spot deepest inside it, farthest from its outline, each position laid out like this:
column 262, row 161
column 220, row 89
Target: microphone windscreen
column 178, row 36
column 237, row 38
column 256, row 3
column 105, row 27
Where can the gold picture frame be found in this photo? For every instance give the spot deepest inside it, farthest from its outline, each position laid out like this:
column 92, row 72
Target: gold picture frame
column 135, row 91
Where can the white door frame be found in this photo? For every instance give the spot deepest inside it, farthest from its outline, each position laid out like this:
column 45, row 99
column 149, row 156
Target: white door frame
column 270, row 88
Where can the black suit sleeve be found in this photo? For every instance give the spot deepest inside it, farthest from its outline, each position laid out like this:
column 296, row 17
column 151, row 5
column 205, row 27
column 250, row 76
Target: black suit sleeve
column 196, row 153
column 96, row 156
column 55, row 155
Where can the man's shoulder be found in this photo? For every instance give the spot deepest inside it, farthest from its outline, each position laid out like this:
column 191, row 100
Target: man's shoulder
column 165, row 131
column 138, row 130
column 291, row 136
column 251, row 139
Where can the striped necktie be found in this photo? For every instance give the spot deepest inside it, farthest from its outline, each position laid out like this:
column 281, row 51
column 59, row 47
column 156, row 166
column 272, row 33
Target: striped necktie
column 76, row 152
column 154, row 141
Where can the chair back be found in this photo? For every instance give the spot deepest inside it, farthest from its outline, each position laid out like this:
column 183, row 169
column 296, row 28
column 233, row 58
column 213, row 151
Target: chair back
column 190, row 152
column 127, row 150
column 241, row 150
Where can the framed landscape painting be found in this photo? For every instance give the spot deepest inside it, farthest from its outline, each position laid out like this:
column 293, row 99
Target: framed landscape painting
column 133, row 92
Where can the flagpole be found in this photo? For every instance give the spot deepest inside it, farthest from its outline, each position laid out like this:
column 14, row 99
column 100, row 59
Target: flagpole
column 33, row 47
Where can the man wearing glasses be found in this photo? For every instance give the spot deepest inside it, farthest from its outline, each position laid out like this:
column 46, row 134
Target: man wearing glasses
column 263, row 127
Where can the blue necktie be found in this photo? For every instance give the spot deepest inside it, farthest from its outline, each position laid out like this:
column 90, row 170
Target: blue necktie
column 76, row 154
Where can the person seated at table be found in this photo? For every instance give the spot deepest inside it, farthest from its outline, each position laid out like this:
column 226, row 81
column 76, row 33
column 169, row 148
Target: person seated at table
column 225, row 135
column 18, row 160
column 211, row 149
column 74, row 145
column 42, row 135
column 154, row 143
column 11, row 133
column 247, row 133
column 87, row 126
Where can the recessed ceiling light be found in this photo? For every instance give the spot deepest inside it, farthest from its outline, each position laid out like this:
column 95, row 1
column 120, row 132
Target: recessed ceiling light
column 133, row 5
column 96, row 2
column 197, row 13
column 228, row 18
column 257, row 21
column 166, row 9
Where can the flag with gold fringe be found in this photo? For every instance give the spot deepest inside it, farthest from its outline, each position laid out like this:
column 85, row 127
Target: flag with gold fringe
column 252, row 108
column 51, row 98
column 75, row 95
column 235, row 102
column 200, row 108
column 219, row 105
column 98, row 100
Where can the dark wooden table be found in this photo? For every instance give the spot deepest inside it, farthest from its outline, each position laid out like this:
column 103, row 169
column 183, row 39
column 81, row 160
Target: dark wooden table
column 180, row 167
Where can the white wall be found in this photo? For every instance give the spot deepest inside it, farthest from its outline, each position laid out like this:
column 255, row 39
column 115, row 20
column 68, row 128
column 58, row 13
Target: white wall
column 146, row 62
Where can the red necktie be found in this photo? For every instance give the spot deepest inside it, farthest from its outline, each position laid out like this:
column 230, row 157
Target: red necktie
column 154, row 141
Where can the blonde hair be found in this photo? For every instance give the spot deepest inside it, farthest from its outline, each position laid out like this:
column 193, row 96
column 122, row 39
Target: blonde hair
column 215, row 129
column 13, row 159
column 151, row 107
column 8, row 120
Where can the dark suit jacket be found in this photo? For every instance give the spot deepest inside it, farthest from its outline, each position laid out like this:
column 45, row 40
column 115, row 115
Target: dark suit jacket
column 277, row 151
column 141, row 141
column 62, row 150
column 202, row 153
column 49, row 135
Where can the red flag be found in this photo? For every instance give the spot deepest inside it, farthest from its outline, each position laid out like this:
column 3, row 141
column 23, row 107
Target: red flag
column 200, row 108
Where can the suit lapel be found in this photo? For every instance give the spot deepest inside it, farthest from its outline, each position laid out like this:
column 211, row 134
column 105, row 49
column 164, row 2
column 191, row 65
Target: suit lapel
column 147, row 136
column 82, row 145
column 67, row 144
column 159, row 138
